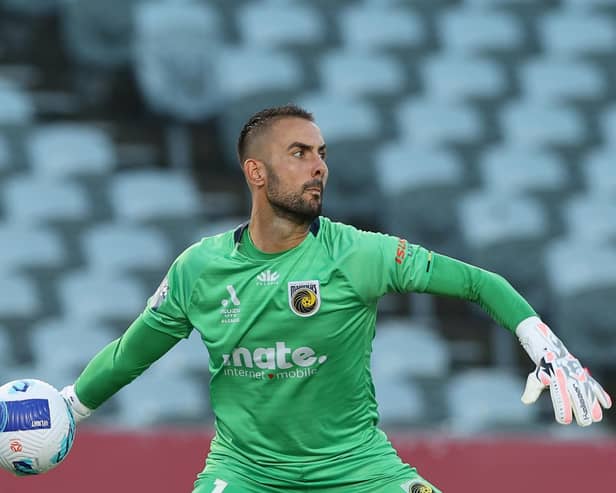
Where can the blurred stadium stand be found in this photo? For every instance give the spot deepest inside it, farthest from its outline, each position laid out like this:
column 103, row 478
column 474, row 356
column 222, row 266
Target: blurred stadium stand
column 484, row 129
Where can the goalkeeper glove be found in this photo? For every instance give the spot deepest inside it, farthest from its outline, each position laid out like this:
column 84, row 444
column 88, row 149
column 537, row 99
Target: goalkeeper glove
column 80, row 412
column 572, row 389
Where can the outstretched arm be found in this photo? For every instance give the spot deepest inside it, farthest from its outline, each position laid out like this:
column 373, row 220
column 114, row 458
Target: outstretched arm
column 573, row 391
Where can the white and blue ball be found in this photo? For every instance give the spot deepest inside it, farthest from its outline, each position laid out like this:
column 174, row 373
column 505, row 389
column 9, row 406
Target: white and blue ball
column 37, row 427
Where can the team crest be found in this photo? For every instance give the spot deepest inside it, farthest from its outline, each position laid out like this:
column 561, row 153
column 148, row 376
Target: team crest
column 417, row 487
column 304, row 297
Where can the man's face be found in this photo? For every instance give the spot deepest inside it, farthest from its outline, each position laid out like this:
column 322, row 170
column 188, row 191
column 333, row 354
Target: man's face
column 296, row 170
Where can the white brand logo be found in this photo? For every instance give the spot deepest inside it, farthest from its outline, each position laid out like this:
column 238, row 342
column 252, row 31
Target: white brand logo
column 230, row 312
column 295, row 363
column 268, row 278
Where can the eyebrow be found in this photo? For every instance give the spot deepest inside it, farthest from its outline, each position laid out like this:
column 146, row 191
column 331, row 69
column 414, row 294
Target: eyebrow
column 305, row 147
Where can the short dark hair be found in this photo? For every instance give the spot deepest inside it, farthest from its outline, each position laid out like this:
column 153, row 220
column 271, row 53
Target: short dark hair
column 262, row 120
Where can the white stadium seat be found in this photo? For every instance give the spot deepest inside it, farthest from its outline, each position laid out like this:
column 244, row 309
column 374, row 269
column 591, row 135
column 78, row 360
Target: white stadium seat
column 473, row 31
column 120, row 247
column 25, row 246
column 18, row 297
column 599, row 172
column 355, row 73
column 458, row 77
column 591, row 216
column 70, row 149
column 398, row 27
column 272, row 23
column 572, row 34
column 16, row 105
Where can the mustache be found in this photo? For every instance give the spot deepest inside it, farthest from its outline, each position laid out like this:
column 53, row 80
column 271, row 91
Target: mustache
column 314, row 184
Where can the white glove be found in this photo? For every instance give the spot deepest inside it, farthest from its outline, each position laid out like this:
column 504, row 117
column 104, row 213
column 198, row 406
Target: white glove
column 572, row 389
column 80, row 412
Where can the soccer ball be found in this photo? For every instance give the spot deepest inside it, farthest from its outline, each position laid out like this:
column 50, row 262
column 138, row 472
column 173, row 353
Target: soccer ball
column 37, row 427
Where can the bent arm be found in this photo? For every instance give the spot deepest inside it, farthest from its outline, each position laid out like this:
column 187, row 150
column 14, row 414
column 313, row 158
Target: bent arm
column 121, row 361
column 450, row 277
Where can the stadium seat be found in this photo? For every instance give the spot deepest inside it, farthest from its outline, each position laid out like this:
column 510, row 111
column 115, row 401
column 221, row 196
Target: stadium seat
column 397, row 340
column 158, row 397
column 70, row 149
column 600, row 172
column 96, row 34
column 582, row 279
column 150, row 195
column 61, row 334
column 591, row 5
column 400, row 401
column 189, row 355
column 429, row 122
column 459, row 77
column 591, row 216
column 353, row 73
column 398, row 27
column 97, row 296
column 29, row 199
column 531, row 124
column 175, row 47
column 25, row 246
column 513, row 169
column 607, row 124
column 6, row 157
column 19, row 297
column 16, row 105
column 6, row 350
column 117, row 247
column 270, row 70
column 554, row 80
column 476, row 31
column 483, row 400
column 413, row 178
column 31, row 7
column 569, row 33
column 502, row 232
column 272, row 24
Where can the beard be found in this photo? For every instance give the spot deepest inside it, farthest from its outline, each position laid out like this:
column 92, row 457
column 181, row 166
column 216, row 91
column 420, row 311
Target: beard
column 292, row 205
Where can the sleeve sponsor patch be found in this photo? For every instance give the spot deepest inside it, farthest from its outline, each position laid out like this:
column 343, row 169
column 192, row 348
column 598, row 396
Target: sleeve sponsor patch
column 159, row 296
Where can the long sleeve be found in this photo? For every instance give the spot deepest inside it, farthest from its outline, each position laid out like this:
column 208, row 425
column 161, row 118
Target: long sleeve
column 121, row 361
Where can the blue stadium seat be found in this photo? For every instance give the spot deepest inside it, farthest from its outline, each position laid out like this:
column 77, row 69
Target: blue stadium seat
column 554, row 80
column 568, row 33
column 61, row 334
column 398, row 27
column 528, row 123
column 28, row 246
column 591, row 216
column 458, row 77
column 413, row 178
column 16, row 105
column 483, row 400
column 430, row 122
column 600, row 172
column 31, row 7
column 400, row 401
column 515, row 169
column 581, row 274
column 70, row 149
column 607, row 126
column 119, row 247
column 19, row 297
column 355, row 73
column 592, row 5
column 175, row 48
column 475, row 31
column 270, row 24
column 29, row 199
column 151, row 195
column 397, row 339
column 97, row 34
column 100, row 295
column 6, row 154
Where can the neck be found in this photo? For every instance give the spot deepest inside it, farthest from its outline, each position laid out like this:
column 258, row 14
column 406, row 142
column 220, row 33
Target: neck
column 273, row 234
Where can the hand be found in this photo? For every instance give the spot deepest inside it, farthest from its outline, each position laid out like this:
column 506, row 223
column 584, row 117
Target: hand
column 80, row 412
column 572, row 389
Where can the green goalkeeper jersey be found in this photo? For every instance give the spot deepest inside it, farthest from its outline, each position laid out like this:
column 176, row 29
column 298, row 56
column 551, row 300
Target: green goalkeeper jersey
column 289, row 337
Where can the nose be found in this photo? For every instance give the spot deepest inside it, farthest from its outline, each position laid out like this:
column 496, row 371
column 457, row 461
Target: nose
column 319, row 169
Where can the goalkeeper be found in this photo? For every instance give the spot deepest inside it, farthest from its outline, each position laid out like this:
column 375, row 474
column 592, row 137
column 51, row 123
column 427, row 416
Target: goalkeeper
column 286, row 305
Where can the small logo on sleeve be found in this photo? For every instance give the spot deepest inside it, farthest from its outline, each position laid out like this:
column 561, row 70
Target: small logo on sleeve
column 159, row 296
column 304, row 297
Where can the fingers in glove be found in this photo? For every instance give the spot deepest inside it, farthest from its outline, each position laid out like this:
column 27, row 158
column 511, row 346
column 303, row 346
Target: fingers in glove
column 580, row 403
column 560, row 397
column 602, row 395
column 533, row 388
